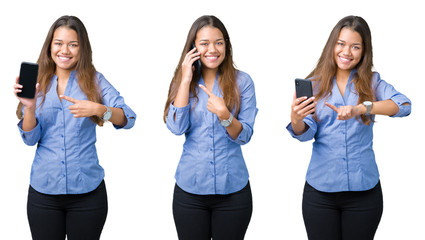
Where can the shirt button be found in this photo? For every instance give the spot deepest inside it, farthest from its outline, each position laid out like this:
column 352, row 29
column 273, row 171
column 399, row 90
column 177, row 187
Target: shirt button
column 210, row 149
column 212, row 162
column 63, row 162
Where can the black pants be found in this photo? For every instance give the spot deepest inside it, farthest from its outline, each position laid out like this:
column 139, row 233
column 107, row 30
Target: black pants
column 342, row 215
column 202, row 217
column 79, row 216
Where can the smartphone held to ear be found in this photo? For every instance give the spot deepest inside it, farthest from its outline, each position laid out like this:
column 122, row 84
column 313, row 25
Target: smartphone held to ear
column 303, row 88
column 197, row 63
column 28, row 79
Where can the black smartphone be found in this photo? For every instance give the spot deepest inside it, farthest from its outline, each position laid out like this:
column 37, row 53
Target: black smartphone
column 197, row 63
column 28, row 79
column 303, row 88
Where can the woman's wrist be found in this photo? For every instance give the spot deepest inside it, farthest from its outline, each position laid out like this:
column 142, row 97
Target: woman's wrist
column 29, row 110
column 185, row 81
column 298, row 127
column 100, row 110
column 224, row 115
column 361, row 109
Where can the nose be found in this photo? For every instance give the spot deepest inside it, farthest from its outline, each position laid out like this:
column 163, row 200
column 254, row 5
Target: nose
column 212, row 48
column 346, row 50
column 65, row 49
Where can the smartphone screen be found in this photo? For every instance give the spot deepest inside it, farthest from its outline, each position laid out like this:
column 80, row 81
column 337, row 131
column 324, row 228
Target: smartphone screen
column 28, row 79
column 303, row 88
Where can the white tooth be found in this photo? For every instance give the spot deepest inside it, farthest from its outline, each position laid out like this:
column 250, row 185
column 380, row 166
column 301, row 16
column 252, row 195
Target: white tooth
column 345, row 59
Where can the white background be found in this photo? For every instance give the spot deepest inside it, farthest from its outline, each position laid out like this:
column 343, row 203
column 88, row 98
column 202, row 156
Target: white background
column 137, row 45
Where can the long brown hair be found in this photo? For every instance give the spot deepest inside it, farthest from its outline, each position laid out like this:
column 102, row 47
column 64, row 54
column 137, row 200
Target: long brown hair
column 326, row 67
column 86, row 72
column 227, row 70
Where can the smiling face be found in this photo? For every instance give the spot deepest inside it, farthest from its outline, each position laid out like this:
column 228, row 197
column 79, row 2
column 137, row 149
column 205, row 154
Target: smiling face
column 348, row 49
column 211, row 45
column 65, row 49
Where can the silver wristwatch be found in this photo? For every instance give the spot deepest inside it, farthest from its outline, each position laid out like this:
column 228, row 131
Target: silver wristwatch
column 107, row 115
column 226, row 123
column 368, row 105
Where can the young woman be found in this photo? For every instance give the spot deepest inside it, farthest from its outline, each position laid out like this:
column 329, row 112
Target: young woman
column 214, row 105
column 342, row 195
column 67, row 194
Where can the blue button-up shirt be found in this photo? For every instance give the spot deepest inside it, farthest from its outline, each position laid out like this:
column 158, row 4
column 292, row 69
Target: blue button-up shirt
column 66, row 161
column 343, row 157
column 212, row 162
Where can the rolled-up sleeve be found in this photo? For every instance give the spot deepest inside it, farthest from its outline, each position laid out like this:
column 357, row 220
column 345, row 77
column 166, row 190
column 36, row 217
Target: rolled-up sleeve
column 385, row 91
column 129, row 114
column 307, row 135
column 248, row 110
column 112, row 98
column 403, row 110
column 178, row 119
column 32, row 137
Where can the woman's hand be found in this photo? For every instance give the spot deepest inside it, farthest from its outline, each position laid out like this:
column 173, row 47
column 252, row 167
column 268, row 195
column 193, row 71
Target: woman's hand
column 84, row 108
column 187, row 65
column 29, row 121
column 216, row 104
column 29, row 104
column 182, row 97
column 300, row 109
column 347, row 112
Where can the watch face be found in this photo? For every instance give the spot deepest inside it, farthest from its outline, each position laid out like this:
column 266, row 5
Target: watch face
column 368, row 105
column 107, row 115
column 225, row 123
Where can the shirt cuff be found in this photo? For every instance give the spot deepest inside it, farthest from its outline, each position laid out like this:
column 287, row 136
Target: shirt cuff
column 179, row 112
column 403, row 110
column 244, row 136
column 306, row 136
column 130, row 116
column 178, row 119
column 31, row 137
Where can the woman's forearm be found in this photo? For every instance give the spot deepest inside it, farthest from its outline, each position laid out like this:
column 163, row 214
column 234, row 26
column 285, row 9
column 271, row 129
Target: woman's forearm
column 385, row 107
column 29, row 122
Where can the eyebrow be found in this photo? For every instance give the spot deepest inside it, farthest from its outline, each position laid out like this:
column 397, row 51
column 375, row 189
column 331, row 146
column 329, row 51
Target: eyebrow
column 340, row 40
column 206, row 40
column 62, row 41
